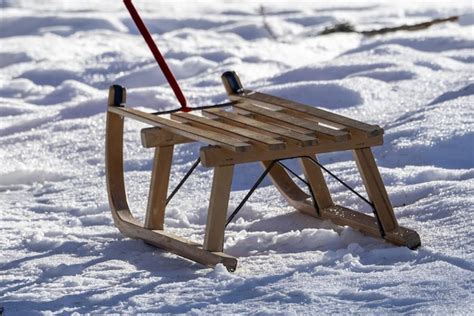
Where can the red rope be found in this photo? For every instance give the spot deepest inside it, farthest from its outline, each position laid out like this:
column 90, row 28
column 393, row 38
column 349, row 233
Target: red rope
column 158, row 57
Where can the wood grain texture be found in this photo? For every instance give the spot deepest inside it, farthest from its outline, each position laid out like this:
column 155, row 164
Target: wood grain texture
column 315, row 178
column 337, row 214
column 217, row 213
column 124, row 219
column 212, row 156
column 160, row 176
column 324, row 116
column 375, row 188
column 298, row 124
column 156, row 137
column 178, row 128
column 262, row 127
column 241, row 133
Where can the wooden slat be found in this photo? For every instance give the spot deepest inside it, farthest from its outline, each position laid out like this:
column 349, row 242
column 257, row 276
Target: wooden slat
column 301, row 139
column 234, row 131
column 355, row 133
column 292, row 112
column 322, row 115
column 215, row 156
column 275, row 122
column 209, row 137
column 292, row 122
column 155, row 137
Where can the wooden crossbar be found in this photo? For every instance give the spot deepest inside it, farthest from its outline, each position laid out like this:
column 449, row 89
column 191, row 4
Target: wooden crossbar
column 258, row 128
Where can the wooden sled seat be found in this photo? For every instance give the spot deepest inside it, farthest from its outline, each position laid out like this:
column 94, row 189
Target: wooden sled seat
column 254, row 127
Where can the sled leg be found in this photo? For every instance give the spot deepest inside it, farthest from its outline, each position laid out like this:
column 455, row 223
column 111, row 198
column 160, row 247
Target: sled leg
column 375, row 188
column 219, row 201
column 314, row 176
column 155, row 215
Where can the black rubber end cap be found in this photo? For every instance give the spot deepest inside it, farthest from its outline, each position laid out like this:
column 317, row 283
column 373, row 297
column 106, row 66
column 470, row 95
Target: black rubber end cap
column 118, row 95
column 233, row 81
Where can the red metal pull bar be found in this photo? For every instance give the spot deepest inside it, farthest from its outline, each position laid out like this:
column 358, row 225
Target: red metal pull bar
column 158, row 57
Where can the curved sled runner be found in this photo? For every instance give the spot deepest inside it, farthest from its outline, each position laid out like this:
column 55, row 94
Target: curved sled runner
column 259, row 127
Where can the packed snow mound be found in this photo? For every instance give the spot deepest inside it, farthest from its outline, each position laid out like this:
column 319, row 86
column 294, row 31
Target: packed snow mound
column 59, row 250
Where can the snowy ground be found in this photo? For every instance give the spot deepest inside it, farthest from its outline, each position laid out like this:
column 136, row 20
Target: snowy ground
column 59, row 250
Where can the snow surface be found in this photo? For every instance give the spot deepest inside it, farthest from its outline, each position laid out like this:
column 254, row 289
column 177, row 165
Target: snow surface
column 59, row 250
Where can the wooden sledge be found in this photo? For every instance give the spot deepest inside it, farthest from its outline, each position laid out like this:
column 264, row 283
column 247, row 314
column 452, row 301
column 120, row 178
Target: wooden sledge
column 261, row 128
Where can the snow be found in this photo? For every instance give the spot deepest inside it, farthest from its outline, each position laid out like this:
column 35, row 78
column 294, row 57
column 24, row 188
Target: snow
column 59, row 250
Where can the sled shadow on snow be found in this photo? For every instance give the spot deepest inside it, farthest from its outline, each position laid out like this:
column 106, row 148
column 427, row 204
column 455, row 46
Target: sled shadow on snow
column 118, row 252
column 135, row 258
